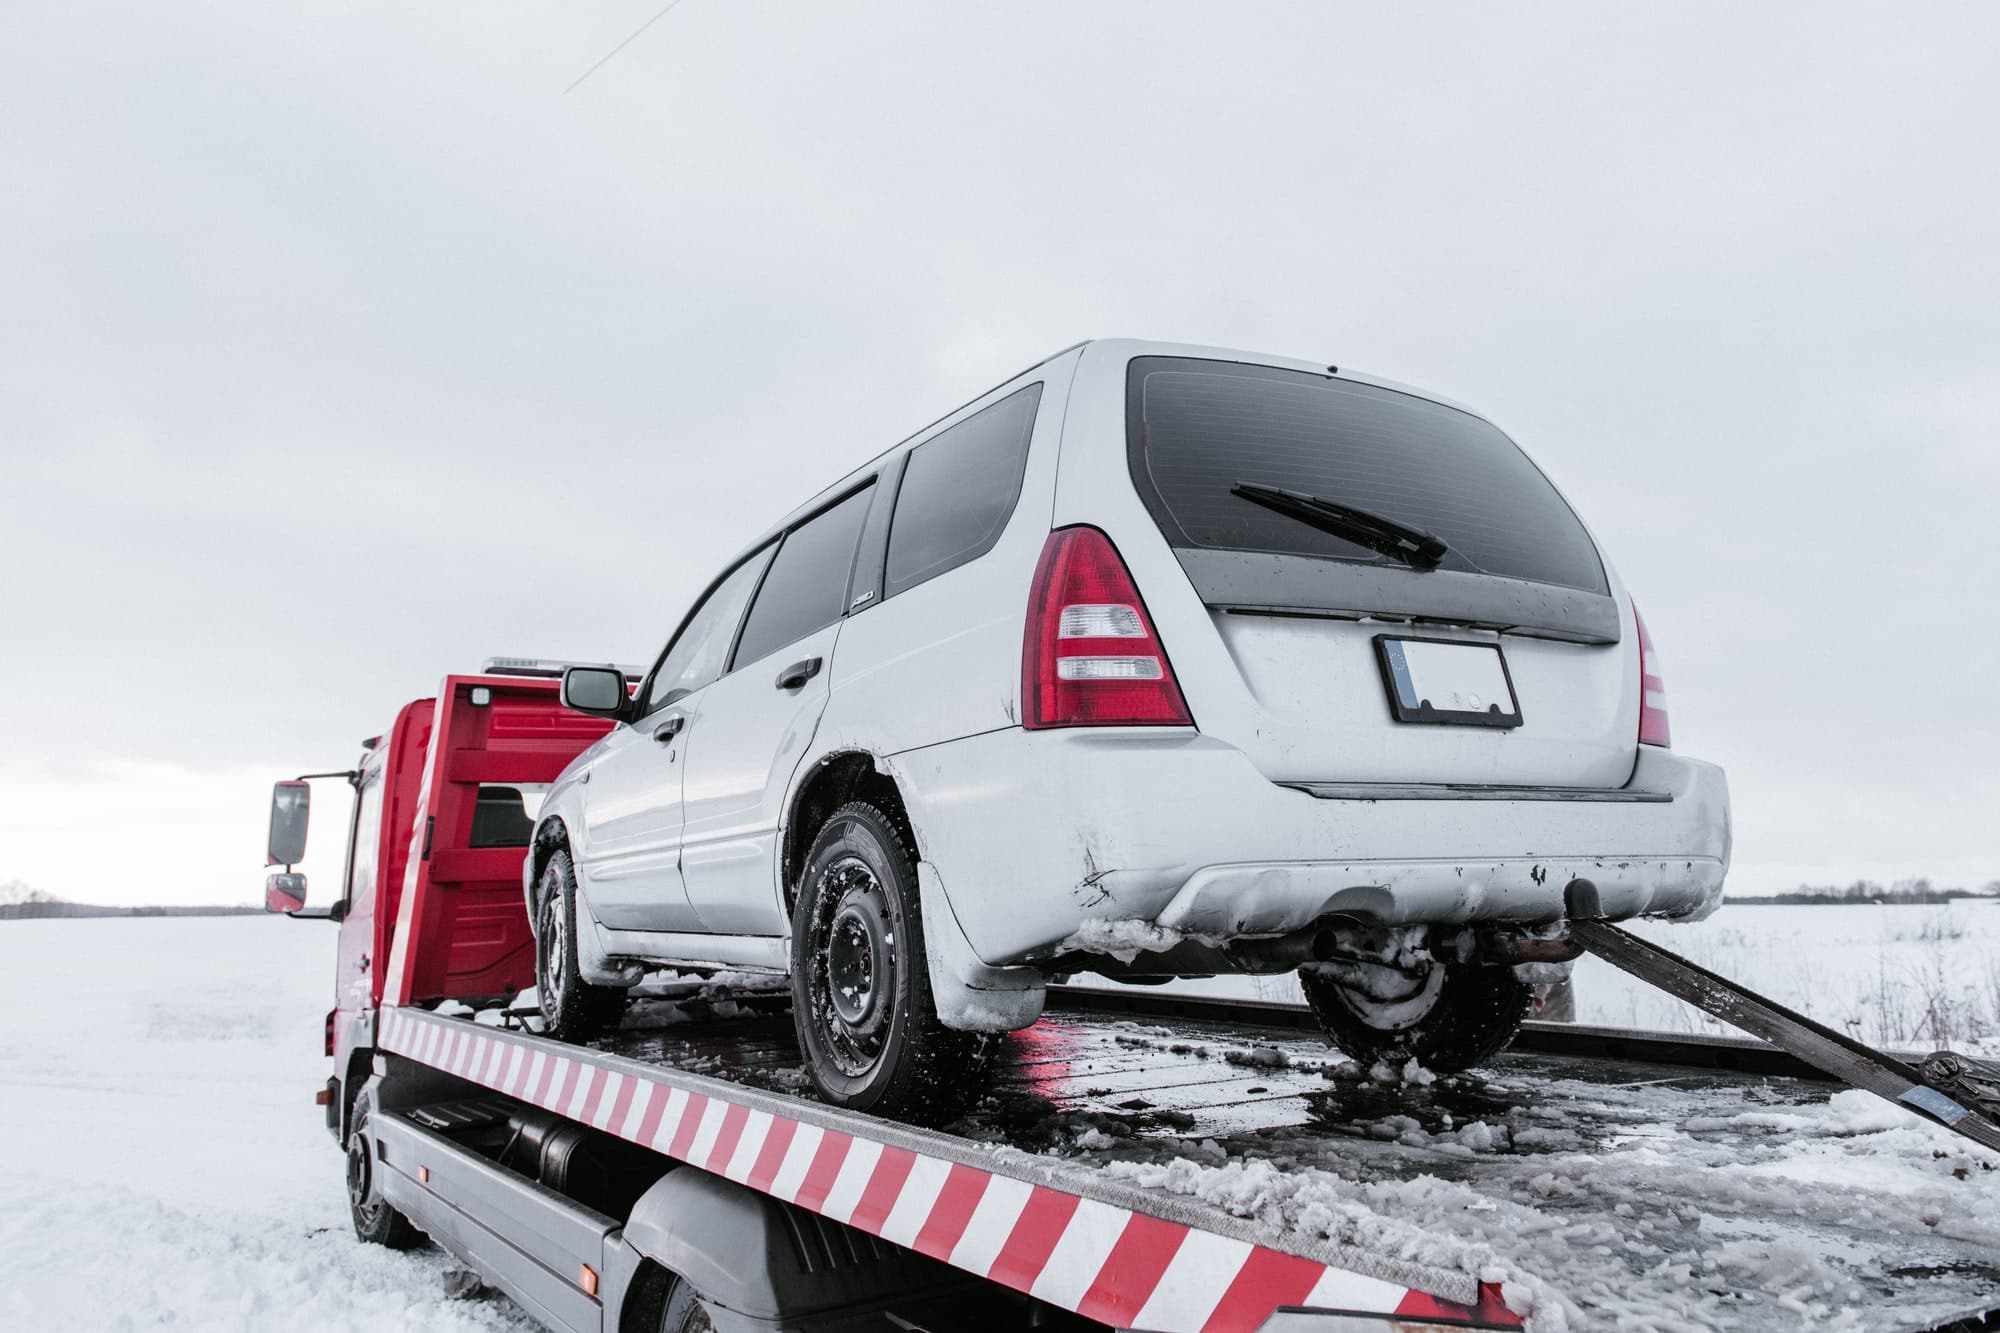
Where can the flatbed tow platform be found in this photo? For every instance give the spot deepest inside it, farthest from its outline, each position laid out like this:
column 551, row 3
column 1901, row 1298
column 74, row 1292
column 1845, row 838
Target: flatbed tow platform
column 1143, row 1161
column 1599, row 1178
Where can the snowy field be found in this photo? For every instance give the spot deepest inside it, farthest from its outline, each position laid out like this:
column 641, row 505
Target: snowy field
column 165, row 1167
column 164, row 1164
column 1912, row 977
column 1909, row 977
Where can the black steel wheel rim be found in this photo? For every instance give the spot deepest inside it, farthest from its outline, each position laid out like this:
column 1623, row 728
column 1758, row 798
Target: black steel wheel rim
column 357, row 1172
column 851, row 977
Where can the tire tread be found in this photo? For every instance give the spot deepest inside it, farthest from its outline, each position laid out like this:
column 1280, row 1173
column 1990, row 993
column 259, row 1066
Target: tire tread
column 939, row 1071
column 583, row 1011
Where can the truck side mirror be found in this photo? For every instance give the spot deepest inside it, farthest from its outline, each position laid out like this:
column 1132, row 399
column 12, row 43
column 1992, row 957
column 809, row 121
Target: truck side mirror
column 284, row 891
column 291, row 807
column 599, row 691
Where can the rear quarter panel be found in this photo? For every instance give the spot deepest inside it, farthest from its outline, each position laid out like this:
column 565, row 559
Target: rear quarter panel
column 942, row 660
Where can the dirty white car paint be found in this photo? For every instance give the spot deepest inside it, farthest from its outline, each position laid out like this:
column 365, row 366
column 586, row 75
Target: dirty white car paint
column 1293, row 788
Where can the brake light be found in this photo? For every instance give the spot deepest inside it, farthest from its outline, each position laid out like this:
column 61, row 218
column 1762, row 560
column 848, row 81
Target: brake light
column 1652, row 689
column 1090, row 657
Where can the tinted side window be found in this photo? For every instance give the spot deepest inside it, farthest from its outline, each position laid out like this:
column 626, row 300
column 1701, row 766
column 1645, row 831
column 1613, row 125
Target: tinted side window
column 807, row 586
column 702, row 647
column 958, row 492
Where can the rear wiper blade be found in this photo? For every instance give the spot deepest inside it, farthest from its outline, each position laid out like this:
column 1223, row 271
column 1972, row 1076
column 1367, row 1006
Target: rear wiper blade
column 1413, row 546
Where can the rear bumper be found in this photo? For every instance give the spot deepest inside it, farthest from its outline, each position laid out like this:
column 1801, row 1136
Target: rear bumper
column 1043, row 842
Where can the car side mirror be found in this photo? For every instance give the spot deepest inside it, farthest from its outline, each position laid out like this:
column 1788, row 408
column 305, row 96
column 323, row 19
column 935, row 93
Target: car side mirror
column 599, row 691
column 285, row 891
column 291, row 808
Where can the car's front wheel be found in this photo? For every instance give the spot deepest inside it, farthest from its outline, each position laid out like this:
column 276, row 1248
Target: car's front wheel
column 861, row 994
column 1455, row 1017
column 572, row 1008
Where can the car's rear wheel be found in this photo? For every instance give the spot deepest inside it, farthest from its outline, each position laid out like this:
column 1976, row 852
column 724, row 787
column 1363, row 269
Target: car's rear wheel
column 861, row 992
column 1452, row 1018
column 572, row 1008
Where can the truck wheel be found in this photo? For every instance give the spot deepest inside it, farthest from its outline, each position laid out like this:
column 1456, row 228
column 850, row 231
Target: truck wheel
column 374, row 1220
column 684, row 1312
column 572, row 1008
column 861, row 992
column 1462, row 1015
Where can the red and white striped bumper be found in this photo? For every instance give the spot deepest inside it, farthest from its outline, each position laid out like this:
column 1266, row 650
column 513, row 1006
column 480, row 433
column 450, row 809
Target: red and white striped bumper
column 1038, row 1228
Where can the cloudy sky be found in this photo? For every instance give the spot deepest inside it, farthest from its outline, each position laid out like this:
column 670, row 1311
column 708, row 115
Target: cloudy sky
column 342, row 348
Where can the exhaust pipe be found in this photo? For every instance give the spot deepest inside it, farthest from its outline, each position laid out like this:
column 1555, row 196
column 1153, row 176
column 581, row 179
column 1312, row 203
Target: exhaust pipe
column 1282, row 953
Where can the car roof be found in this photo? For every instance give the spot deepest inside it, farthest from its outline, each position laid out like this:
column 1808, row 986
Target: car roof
column 1118, row 350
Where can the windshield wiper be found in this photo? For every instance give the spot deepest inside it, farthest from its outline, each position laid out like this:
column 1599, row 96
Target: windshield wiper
column 1413, row 546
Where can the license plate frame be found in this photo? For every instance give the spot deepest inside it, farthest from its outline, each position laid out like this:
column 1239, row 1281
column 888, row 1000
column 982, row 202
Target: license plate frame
column 1461, row 675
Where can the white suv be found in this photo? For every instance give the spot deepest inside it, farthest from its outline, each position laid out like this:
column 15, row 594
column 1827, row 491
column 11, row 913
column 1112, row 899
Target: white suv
column 1155, row 661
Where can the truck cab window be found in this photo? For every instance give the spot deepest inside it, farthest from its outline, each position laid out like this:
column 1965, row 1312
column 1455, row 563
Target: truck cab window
column 361, row 866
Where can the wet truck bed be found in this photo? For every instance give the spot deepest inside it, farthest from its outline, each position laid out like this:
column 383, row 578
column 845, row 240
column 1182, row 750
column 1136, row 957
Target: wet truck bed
column 1611, row 1183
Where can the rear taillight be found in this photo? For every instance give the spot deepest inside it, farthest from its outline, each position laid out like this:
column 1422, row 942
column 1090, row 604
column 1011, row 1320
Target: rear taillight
column 1090, row 657
column 1652, row 690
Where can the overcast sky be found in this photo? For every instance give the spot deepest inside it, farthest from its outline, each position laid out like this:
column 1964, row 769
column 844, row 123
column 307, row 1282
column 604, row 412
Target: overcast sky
column 343, row 349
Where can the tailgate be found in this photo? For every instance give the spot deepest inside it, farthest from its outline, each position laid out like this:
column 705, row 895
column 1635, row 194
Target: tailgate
column 1508, row 593
column 1312, row 705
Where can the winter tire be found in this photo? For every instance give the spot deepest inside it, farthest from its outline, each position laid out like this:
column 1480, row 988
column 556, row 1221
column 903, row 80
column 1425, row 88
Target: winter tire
column 572, row 1008
column 861, row 990
column 1472, row 1012
column 375, row 1222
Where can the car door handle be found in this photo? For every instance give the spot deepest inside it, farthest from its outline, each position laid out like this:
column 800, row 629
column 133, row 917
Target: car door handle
column 795, row 676
column 669, row 729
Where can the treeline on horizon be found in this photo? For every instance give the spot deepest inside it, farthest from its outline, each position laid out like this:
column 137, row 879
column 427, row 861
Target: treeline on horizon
column 1903, row 891
column 40, row 910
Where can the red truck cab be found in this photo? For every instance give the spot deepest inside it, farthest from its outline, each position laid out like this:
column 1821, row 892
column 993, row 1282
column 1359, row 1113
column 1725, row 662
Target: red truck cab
column 438, row 836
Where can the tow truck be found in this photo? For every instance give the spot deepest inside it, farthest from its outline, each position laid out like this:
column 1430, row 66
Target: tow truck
column 677, row 1175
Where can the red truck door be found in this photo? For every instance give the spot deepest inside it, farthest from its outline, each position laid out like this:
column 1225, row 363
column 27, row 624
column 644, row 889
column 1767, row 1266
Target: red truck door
column 354, row 976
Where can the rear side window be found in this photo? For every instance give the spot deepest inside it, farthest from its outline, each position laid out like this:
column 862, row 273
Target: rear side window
column 959, row 489
column 1200, row 428
column 806, row 589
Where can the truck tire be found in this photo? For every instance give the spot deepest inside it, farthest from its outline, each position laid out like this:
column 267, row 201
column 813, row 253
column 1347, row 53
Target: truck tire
column 375, row 1221
column 1474, row 1011
column 861, row 990
column 684, row 1312
column 572, row 1008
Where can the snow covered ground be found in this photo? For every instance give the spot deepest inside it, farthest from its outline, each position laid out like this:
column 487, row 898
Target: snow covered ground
column 164, row 1166
column 1907, row 977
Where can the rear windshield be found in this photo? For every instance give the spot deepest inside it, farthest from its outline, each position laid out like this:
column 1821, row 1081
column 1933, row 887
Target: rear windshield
column 1199, row 428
